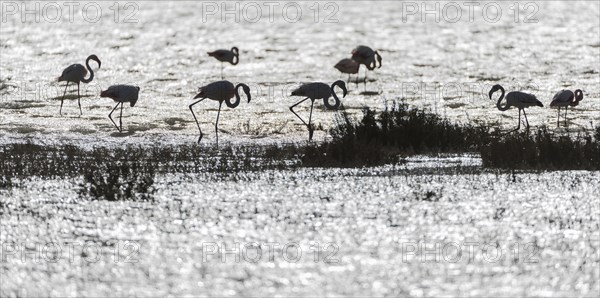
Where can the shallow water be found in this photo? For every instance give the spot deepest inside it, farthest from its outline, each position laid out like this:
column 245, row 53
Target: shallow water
column 368, row 224
column 443, row 66
column 376, row 231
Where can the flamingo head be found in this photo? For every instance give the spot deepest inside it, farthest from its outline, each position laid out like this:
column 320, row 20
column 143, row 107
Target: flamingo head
column 95, row 58
column 200, row 93
column 297, row 92
column 578, row 95
column 132, row 103
column 494, row 89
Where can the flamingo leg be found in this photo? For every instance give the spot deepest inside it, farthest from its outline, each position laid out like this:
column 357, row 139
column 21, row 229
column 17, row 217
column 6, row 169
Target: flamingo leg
column 79, row 100
column 366, row 71
column 198, row 124
column 566, row 109
column 63, row 98
column 110, row 116
column 121, row 119
column 217, row 123
column 558, row 118
column 292, row 109
column 221, row 70
column 310, row 128
column 519, row 123
column 526, row 121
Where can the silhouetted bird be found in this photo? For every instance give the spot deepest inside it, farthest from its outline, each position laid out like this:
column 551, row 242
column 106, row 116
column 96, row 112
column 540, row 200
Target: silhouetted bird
column 348, row 66
column 565, row 98
column 221, row 91
column 516, row 99
column 314, row 91
column 121, row 94
column 366, row 56
column 232, row 56
column 76, row 74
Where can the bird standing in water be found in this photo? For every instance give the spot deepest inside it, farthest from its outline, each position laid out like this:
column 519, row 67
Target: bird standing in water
column 232, row 56
column 76, row 74
column 348, row 66
column 565, row 98
column 121, row 94
column 315, row 91
column 221, row 91
column 368, row 57
column 516, row 99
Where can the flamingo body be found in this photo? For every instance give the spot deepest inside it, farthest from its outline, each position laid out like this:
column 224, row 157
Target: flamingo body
column 516, row 99
column 221, row 91
column 366, row 56
column 564, row 99
column 348, row 66
column 121, row 94
column 314, row 91
column 232, row 56
column 76, row 73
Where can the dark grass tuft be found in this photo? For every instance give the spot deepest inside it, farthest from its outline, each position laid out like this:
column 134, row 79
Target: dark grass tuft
column 129, row 172
column 397, row 131
column 400, row 131
column 542, row 150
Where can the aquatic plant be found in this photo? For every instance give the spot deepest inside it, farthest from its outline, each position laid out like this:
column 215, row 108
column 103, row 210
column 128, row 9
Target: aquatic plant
column 395, row 132
column 542, row 150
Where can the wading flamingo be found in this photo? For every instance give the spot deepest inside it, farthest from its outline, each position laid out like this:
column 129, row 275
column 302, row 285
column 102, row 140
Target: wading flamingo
column 76, row 74
column 348, row 66
column 314, row 91
column 366, row 56
column 226, row 56
column 121, row 94
column 565, row 98
column 221, row 91
column 516, row 99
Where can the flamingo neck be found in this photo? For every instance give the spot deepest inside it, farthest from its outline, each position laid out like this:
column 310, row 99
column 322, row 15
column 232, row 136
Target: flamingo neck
column 498, row 103
column 87, row 64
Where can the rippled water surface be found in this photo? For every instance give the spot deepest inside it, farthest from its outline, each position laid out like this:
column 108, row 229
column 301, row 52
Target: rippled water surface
column 447, row 67
column 367, row 224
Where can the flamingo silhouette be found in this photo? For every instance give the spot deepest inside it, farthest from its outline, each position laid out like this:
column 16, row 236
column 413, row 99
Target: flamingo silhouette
column 565, row 98
column 232, row 56
column 348, row 66
column 76, row 74
column 366, row 56
column 121, row 94
column 221, row 91
column 315, row 91
column 516, row 99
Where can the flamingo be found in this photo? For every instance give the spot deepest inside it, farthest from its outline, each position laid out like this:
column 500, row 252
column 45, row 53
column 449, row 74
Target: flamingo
column 121, row 94
column 76, row 74
column 226, row 56
column 348, row 66
column 516, row 99
column 221, row 91
column 366, row 56
column 314, row 91
column 566, row 98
